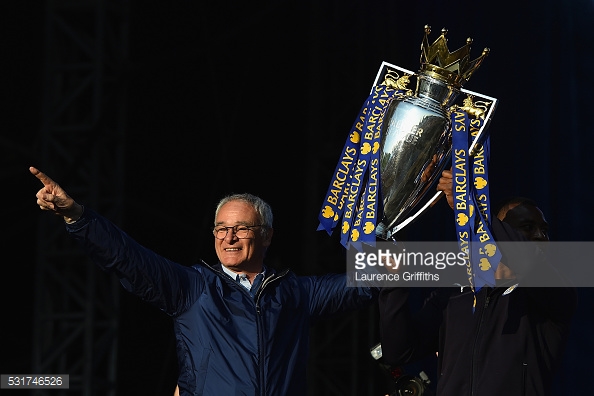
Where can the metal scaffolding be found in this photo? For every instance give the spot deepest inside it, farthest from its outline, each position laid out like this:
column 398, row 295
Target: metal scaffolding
column 81, row 143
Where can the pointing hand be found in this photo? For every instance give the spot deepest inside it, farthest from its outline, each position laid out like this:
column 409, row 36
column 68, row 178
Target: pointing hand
column 53, row 198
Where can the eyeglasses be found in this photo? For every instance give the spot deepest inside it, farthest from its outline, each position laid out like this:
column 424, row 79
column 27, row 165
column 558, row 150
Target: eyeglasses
column 240, row 231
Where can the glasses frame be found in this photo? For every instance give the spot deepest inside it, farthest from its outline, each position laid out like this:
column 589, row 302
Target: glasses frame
column 216, row 229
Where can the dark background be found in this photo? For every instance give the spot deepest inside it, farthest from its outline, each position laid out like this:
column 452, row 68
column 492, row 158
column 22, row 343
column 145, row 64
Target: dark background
column 259, row 97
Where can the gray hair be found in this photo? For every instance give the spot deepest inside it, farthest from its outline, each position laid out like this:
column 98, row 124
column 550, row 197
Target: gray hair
column 262, row 208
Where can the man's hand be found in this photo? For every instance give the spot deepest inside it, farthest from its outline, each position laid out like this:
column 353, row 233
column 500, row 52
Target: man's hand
column 53, row 198
column 446, row 185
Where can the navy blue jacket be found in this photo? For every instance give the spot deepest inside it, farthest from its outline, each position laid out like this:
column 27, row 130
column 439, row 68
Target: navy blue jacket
column 511, row 345
column 228, row 342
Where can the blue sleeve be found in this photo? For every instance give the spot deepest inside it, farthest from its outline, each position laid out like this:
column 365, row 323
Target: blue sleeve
column 169, row 286
column 329, row 295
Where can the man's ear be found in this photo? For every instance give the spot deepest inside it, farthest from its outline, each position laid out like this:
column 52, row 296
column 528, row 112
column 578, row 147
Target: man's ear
column 268, row 238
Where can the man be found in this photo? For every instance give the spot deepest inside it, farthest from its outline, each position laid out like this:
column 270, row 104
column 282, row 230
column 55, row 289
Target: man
column 241, row 327
column 513, row 341
column 526, row 217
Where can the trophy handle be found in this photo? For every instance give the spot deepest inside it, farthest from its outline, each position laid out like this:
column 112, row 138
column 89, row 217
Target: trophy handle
column 481, row 134
column 471, row 153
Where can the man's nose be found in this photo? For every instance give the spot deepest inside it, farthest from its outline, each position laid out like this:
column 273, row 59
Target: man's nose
column 540, row 234
column 230, row 235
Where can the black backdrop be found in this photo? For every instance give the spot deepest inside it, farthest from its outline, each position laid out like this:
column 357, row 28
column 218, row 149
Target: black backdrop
column 258, row 96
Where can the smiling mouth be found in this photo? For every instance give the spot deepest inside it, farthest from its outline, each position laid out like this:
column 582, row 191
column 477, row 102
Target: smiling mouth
column 232, row 249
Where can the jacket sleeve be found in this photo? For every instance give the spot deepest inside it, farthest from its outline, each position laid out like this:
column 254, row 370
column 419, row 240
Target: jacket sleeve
column 153, row 278
column 329, row 295
column 408, row 337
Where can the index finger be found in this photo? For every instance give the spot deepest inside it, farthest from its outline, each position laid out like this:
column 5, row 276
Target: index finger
column 45, row 179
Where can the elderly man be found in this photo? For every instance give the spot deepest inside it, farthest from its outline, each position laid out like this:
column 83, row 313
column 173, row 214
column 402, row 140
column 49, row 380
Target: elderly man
column 241, row 327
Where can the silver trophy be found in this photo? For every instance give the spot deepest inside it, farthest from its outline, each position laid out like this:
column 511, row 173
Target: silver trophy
column 416, row 137
column 410, row 135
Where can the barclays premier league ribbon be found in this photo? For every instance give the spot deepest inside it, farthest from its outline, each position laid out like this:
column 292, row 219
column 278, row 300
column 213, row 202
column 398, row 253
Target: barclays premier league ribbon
column 484, row 249
column 471, row 201
column 353, row 197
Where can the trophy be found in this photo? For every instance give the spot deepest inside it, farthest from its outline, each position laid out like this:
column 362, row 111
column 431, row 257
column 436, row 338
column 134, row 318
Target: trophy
column 402, row 140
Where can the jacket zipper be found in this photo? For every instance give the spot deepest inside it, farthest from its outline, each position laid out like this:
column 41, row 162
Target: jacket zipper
column 267, row 281
column 476, row 338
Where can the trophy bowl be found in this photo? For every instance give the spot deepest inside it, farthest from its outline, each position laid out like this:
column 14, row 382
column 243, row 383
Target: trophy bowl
column 415, row 147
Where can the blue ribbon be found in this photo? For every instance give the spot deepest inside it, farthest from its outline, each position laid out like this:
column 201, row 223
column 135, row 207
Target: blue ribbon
column 471, row 201
column 353, row 195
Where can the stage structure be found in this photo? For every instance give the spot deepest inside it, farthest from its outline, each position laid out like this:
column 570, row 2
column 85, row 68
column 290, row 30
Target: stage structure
column 81, row 144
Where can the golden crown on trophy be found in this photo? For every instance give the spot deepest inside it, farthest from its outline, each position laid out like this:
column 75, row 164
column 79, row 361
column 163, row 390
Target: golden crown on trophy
column 454, row 68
